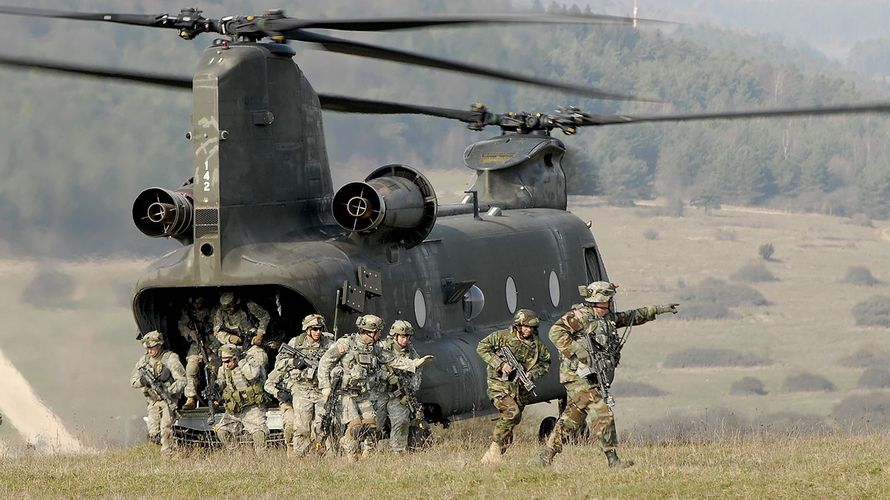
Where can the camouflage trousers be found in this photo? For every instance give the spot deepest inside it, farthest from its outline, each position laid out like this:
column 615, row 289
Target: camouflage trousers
column 509, row 416
column 251, row 420
column 160, row 425
column 361, row 423
column 307, row 416
column 399, row 421
column 193, row 361
column 585, row 402
column 287, row 421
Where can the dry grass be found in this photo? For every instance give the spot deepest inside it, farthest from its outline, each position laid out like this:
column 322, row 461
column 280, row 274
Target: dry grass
column 737, row 467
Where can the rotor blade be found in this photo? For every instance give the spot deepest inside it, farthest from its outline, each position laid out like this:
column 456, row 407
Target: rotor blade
column 169, row 81
column 870, row 107
column 403, row 23
column 361, row 49
column 344, row 104
column 134, row 19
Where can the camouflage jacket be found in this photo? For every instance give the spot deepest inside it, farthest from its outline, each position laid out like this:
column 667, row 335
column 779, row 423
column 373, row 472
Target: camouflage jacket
column 167, row 359
column 566, row 335
column 304, row 380
column 192, row 323
column 394, row 378
column 241, row 323
column 362, row 364
column 242, row 386
column 532, row 353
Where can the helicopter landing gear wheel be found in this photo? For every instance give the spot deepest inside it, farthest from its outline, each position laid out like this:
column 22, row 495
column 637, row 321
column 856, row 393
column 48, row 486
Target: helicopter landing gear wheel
column 546, row 427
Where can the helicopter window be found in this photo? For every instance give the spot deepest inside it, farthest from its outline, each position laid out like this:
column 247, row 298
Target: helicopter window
column 554, row 288
column 511, row 294
column 592, row 259
column 473, row 302
column 419, row 308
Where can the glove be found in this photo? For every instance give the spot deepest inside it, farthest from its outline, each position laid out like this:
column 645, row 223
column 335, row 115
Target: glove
column 300, row 363
column 143, row 381
column 422, row 361
column 165, row 375
column 283, row 396
column 234, row 339
column 326, row 392
column 257, row 339
column 666, row 308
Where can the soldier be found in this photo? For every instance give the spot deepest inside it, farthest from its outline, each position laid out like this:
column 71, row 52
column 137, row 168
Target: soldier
column 241, row 382
column 361, row 359
column 507, row 395
column 278, row 385
column 303, row 376
column 165, row 368
column 397, row 400
column 237, row 323
column 195, row 326
column 595, row 318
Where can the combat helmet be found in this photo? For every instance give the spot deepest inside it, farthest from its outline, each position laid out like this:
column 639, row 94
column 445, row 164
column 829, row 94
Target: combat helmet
column 228, row 351
column 369, row 323
column 153, row 338
column 401, row 327
column 526, row 317
column 227, row 299
column 313, row 320
column 598, row 291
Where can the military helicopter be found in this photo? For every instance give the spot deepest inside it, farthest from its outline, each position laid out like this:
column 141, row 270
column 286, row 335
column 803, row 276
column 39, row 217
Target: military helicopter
column 259, row 215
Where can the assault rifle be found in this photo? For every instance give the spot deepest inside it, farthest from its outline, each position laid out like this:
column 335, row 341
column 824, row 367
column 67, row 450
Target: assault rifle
column 157, row 388
column 415, row 409
column 599, row 369
column 297, row 354
column 327, row 424
column 518, row 374
column 210, row 391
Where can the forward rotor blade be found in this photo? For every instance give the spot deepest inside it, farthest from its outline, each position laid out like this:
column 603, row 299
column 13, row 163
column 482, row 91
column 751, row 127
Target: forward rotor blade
column 361, row 49
column 404, row 23
column 133, row 19
column 870, row 107
column 168, row 81
column 344, row 104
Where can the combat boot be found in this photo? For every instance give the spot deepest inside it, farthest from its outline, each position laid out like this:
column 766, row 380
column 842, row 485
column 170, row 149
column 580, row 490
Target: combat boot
column 259, row 441
column 190, row 404
column 493, row 455
column 545, row 458
column 617, row 463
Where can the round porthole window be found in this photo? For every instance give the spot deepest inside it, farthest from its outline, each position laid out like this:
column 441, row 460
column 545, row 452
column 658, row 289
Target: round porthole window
column 510, row 291
column 554, row 288
column 419, row 308
column 473, row 302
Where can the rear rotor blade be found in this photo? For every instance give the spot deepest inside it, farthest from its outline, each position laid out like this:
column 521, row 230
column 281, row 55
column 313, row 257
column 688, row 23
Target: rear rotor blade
column 870, row 107
column 361, row 49
column 169, row 81
column 404, row 23
column 133, row 19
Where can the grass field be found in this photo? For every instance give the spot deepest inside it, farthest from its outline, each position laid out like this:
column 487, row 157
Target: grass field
column 748, row 468
column 78, row 357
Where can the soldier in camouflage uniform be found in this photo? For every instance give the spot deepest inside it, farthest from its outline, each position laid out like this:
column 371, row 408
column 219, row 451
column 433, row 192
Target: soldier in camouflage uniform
column 507, row 395
column 278, row 385
column 399, row 388
column 303, row 376
column 241, row 382
column 237, row 323
column 195, row 324
column 167, row 368
column 361, row 359
column 594, row 318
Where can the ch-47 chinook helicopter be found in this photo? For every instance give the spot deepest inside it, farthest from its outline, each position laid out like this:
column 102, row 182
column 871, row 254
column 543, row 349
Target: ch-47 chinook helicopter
column 260, row 216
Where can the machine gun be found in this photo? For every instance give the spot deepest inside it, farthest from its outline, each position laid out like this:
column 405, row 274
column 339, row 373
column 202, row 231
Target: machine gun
column 599, row 369
column 210, row 393
column 518, row 374
column 157, row 388
column 297, row 354
column 327, row 424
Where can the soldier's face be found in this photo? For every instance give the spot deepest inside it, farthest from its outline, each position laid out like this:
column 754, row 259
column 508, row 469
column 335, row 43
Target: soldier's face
column 153, row 351
column 229, row 309
column 526, row 331
column 403, row 340
column 601, row 308
column 314, row 333
column 230, row 362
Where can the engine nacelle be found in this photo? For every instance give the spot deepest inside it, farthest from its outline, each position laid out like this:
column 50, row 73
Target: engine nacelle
column 161, row 213
column 396, row 202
